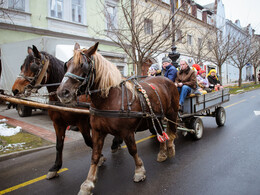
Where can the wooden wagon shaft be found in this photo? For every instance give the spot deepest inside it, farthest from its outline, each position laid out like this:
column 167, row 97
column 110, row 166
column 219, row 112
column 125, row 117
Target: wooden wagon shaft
column 43, row 106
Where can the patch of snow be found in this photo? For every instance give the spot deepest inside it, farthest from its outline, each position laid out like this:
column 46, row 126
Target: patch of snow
column 3, row 120
column 8, row 131
column 240, row 90
column 11, row 146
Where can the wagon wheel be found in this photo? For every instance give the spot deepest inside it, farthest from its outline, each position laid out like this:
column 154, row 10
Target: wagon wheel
column 197, row 125
column 220, row 116
column 24, row 111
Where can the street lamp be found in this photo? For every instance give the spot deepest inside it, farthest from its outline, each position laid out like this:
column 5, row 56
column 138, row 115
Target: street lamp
column 174, row 55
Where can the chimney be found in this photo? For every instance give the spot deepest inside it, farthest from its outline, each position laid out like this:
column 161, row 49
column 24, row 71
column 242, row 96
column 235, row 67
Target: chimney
column 204, row 16
column 194, row 11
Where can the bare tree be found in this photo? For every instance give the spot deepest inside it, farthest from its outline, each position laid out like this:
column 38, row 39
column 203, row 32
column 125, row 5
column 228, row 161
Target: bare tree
column 221, row 48
column 199, row 50
column 143, row 30
column 255, row 60
column 243, row 55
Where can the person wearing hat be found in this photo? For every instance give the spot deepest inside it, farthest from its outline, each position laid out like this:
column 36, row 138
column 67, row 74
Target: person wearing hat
column 170, row 71
column 185, row 81
column 203, row 81
column 154, row 70
column 213, row 80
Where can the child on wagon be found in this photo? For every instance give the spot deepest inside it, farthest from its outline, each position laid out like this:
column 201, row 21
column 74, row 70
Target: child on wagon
column 213, row 80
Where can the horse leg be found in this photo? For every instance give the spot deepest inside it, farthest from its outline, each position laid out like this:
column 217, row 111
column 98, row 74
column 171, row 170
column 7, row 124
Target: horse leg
column 172, row 133
column 60, row 136
column 116, row 144
column 88, row 185
column 162, row 155
column 139, row 165
column 85, row 131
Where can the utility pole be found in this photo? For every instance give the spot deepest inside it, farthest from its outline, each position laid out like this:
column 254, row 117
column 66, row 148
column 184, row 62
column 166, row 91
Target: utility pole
column 174, row 55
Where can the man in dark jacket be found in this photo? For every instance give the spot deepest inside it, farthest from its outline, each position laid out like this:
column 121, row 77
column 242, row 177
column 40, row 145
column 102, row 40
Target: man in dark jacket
column 185, row 81
column 170, row 71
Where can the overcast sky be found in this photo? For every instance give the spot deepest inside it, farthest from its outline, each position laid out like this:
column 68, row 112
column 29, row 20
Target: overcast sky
column 247, row 11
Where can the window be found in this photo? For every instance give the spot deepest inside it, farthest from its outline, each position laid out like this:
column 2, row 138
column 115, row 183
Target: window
column 148, row 26
column 199, row 42
column 209, row 45
column 178, row 35
column 16, row 5
column 57, row 8
column 189, row 39
column 111, row 17
column 77, row 11
column 199, row 14
column 166, row 32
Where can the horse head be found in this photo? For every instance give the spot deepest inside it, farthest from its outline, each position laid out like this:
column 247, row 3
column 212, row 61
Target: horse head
column 79, row 76
column 33, row 72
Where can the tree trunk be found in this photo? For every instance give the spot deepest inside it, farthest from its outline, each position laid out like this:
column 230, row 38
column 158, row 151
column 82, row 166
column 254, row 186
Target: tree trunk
column 255, row 75
column 219, row 72
column 240, row 78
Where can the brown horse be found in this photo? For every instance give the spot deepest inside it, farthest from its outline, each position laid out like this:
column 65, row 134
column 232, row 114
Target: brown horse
column 103, row 81
column 50, row 70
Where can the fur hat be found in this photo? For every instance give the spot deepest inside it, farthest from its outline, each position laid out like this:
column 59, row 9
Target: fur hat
column 166, row 59
column 154, row 67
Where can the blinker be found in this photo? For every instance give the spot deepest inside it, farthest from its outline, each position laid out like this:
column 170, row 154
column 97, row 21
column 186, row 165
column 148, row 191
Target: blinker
column 34, row 68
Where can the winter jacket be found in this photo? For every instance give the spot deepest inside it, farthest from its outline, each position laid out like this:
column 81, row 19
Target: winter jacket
column 187, row 77
column 205, row 81
column 171, row 72
column 213, row 80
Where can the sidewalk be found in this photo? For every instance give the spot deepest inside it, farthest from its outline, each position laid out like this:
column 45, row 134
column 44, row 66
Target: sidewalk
column 38, row 124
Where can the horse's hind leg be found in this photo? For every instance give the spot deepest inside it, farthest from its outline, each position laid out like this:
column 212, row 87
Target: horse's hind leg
column 139, row 166
column 60, row 136
column 88, row 185
column 116, row 144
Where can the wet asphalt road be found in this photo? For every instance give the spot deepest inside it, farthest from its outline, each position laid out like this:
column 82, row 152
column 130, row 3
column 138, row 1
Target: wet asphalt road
column 225, row 161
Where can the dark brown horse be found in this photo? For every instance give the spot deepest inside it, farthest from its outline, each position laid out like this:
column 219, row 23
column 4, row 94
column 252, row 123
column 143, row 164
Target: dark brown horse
column 103, row 81
column 43, row 68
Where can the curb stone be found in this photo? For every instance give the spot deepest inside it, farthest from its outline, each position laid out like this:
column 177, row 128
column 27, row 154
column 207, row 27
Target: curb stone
column 23, row 152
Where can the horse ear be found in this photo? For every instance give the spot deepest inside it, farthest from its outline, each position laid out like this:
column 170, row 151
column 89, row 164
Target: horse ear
column 92, row 49
column 76, row 46
column 36, row 52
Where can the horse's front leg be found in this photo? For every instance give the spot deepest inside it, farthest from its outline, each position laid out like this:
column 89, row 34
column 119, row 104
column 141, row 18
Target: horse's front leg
column 171, row 130
column 84, row 128
column 139, row 165
column 88, row 185
column 60, row 136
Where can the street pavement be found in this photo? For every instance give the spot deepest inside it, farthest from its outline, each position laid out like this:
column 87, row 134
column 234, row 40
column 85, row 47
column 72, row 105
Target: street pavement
column 224, row 161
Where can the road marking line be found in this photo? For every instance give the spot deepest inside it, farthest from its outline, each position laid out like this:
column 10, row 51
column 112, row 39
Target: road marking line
column 235, row 103
column 141, row 140
column 28, row 183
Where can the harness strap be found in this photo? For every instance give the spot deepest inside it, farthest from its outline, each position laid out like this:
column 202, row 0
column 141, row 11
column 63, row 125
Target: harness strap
column 119, row 114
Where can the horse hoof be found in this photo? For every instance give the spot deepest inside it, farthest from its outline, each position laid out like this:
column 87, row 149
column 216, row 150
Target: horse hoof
column 139, row 177
column 171, row 152
column 52, row 174
column 161, row 157
column 101, row 161
column 86, row 188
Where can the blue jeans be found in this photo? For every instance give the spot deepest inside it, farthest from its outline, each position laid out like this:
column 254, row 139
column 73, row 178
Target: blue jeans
column 183, row 91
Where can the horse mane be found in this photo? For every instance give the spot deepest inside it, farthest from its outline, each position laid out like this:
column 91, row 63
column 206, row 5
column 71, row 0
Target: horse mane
column 57, row 70
column 107, row 74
